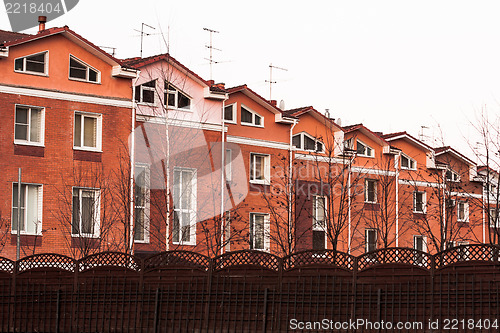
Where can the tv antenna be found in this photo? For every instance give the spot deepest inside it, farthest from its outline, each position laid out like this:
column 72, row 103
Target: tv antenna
column 421, row 135
column 113, row 49
column 211, row 48
column 144, row 33
column 271, row 77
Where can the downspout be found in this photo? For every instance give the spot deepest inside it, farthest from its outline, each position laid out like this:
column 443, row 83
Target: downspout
column 167, row 225
column 444, row 210
column 290, row 184
column 396, row 165
column 484, row 215
column 349, row 238
column 222, row 182
column 132, row 167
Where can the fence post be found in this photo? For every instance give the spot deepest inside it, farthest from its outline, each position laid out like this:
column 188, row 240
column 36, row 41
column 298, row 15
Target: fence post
column 264, row 316
column 157, row 309
column 58, row 310
column 211, row 265
column 354, row 286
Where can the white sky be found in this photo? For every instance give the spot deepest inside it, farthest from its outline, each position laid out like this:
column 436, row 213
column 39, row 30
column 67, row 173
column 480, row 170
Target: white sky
column 391, row 65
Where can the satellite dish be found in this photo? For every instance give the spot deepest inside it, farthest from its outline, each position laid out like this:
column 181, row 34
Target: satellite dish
column 282, row 105
column 339, row 121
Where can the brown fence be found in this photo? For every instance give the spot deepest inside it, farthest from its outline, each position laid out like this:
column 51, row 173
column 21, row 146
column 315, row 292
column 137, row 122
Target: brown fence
column 390, row 290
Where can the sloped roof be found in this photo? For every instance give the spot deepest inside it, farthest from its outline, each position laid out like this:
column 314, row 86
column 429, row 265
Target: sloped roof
column 9, row 36
column 407, row 137
column 297, row 112
column 256, row 97
column 366, row 131
column 456, row 153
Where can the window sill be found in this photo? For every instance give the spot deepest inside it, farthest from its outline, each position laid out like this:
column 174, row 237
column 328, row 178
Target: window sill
column 230, row 122
column 184, row 243
column 260, row 182
column 28, row 143
column 141, row 241
column 251, row 125
column 32, row 73
column 171, row 108
column 84, row 236
column 82, row 80
column 14, row 233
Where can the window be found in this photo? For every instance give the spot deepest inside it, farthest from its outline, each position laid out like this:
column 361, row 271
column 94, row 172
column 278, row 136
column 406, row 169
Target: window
column 228, row 164
column 259, row 231
column 419, row 202
column 184, row 228
column 408, row 163
column 146, row 92
column 33, row 64
column 363, row 150
column 420, row 244
column 175, row 98
column 28, row 125
column 230, row 113
column 319, row 223
column 370, row 240
column 260, row 168
column 462, row 211
column 494, row 223
column 31, row 209
column 370, row 191
column 87, row 131
column 251, row 118
column 86, row 207
column 306, row 142
column 79, row 70
column 452, row 176
column 141, row 204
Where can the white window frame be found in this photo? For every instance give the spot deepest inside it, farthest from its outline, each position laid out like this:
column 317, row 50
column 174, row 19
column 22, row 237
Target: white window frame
column 419, row 259
column 410, row 162
column 98, row 139
column 367, row 238
column 141, row 87
column 233, row 110
column 364, row 154
column 424, row 202
column 38, row 227
column 46, row 64
column 97, row 211
column 318, row 225
column 191, row 210
column 267, row 169
column 494, row 220
column 455, row 177
column 243, row 106
column 228, row 167
column 375, row 190
column 146, row 207
column 87, row 74
column 42, row 126
column 176, row 93
column 465, row 204
column 302, row 143
column 267, row 225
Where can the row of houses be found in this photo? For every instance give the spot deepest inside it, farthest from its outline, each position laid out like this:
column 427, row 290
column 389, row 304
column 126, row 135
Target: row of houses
column 143, row 155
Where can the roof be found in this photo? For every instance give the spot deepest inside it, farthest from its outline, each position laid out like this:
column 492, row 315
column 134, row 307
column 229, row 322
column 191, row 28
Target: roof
column 448, row 149
column 407, row 137
column 70, row 34
column 8, row 36
column 366, row 131
column 258, row 98
column 315, row 113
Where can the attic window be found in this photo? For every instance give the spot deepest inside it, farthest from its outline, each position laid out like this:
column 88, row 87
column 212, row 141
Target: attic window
column 175, row 98
column 33, row 64
column 363, row 150
column 408, row 163
column 79, row 70
column 249, row 117
column 452, row 176
column 145, row 93
column 306, row 142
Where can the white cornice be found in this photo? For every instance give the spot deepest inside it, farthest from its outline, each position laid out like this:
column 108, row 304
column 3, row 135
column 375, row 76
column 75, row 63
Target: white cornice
column 72, row 97
column 257, row 142
column 180, row 123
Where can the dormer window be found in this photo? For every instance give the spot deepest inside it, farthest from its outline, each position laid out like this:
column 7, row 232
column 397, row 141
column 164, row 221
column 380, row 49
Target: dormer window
column 452, row 176
column 230, row 113
column 363, row 150
column 175, row 98
column 249, row 117
column 33, row 64
column 78, row 70
column 145, row 93
column 304, row 141
column 408, row 163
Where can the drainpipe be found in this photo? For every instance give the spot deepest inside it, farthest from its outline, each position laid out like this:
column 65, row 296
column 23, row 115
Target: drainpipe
column 484, row 215
column 443, row 172
column 222, row 182
column 397, row 158
column 290, row 184
column 349, row 239
column 132, row 167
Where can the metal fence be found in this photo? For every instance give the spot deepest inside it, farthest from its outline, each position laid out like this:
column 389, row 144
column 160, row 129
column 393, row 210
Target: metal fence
column 251, row 291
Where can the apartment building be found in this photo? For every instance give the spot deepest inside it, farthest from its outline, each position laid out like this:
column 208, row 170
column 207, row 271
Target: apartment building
column 67, row 111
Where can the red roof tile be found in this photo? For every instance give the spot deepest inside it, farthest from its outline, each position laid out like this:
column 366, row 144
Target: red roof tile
column 8, row 36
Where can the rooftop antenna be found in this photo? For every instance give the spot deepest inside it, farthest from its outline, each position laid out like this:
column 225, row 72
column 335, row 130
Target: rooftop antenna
column 271, row 77
column 144, row 33
column 211, row 47
column 113, row 49
column 421, row 135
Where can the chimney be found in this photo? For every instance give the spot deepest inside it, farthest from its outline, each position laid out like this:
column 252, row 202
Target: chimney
column 41, row 23
column 210, row 82
column 221, row 85
column 273, row 102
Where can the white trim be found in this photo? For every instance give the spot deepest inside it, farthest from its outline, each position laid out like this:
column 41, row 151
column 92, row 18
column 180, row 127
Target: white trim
column 39, row 201
column 228, row 164
column 97, row 212
column 369, row 171
column 267, row 169
column 424, row 202
column 319, row 158
column 72, row 97
column 366, row 239
column 176, row 92
column 257, row 142
column 375, row 190
column 418, row 183
column 42, row 126
column 192, row 210
column 302, row 135
column 179, row 123
column 372, row 155
column 267, row 231
column 98, row 134
column 235, row 114
column 147, row 206
column 409, row 162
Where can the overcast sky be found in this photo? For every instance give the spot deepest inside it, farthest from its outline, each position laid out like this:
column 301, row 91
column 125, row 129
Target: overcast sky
column 391, row 65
